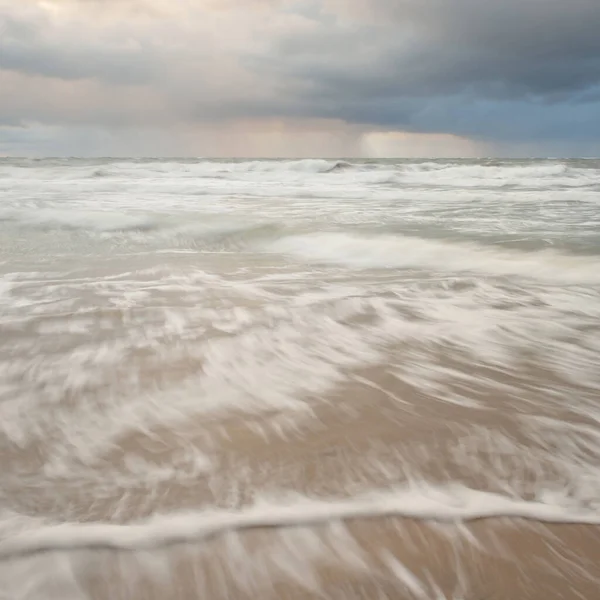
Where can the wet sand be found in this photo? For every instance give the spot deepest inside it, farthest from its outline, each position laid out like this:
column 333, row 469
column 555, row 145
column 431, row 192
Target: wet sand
column 371, row 434
column 417, row 339
column 384, row 558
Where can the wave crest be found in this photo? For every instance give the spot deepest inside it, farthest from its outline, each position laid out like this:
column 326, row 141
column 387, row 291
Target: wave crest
column 397, row 251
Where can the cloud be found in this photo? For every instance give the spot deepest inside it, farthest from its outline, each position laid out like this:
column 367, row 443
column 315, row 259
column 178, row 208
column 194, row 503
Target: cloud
column 415, row 57
column 48, row 39
column 248, row 138
column 515, row 71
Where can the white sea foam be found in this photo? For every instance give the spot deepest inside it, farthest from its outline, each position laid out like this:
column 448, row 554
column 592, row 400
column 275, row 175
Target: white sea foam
column 453, row 173
column 99, row 220
column 386, row 251
column 106, row 221
column 440, row 504
column 494, row 175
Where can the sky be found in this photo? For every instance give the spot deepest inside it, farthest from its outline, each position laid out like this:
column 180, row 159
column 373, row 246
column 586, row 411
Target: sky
column 300, row 78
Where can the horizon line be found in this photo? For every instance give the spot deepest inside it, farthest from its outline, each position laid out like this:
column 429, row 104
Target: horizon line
column 287, row 158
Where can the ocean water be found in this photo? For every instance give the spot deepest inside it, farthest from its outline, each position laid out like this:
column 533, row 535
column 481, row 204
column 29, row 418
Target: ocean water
column 208, row 368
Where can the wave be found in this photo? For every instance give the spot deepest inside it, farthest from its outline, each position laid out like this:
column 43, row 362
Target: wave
column 536, row 175
column 196, row 230
column 89, row 220
column 317, row 165
column 397, row 251
column 345, row 248
column 447, row 173
column 303, row 166
column 309, row 165
column 453, row 503
column 218, row 168
column 491, row 169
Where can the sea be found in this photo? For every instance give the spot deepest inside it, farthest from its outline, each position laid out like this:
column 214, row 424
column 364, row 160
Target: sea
column 275, row 379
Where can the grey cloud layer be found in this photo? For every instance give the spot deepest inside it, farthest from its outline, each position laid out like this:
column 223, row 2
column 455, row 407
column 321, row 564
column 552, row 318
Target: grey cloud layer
column 417, row 61
column 497, row 69
column 35, row 42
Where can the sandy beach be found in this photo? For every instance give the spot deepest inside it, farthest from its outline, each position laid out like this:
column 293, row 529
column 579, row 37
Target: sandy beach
column 386, row 440
column 346, row 389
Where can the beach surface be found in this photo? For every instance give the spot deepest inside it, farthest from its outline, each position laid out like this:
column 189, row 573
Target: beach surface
column 299, row 379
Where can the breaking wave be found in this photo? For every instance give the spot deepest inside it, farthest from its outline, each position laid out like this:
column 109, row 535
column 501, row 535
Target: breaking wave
column 216, row 168
column 397, row 251
column 347, row 247
column 490, row 174
column 80, row 220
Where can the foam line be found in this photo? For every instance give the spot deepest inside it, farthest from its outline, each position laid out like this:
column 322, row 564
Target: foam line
column 457, row 504
column 398, row 251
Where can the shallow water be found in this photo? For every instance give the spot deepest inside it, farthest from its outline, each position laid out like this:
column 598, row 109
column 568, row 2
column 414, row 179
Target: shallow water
column 289, row 342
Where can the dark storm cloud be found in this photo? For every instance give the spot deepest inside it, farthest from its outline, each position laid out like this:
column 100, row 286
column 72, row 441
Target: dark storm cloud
column 418, row 58
column 489, row 69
